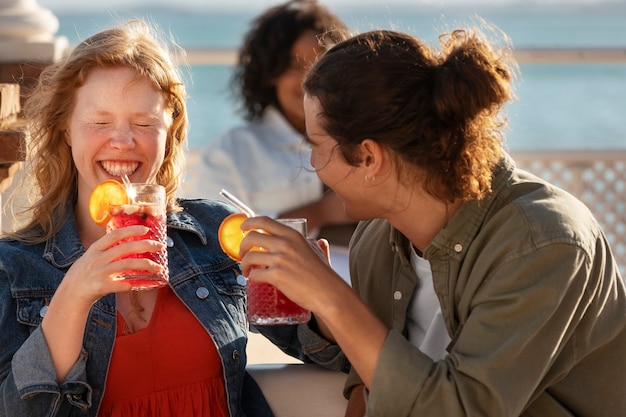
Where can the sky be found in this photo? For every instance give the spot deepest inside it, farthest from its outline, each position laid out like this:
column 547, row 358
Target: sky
column 262, row 4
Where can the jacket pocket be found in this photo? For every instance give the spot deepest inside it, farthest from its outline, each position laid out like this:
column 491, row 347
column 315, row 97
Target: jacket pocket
column 32, row 307
column 229, row 282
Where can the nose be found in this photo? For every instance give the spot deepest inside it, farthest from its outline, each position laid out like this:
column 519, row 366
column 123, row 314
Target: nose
column 122, row 137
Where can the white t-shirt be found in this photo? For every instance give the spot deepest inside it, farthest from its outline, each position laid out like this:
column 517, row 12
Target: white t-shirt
column 425, row 324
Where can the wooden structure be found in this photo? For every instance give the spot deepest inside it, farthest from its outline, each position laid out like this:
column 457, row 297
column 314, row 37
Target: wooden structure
column 12, row 134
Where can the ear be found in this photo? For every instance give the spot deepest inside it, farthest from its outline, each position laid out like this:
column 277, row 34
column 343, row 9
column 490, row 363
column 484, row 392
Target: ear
column 373, row 158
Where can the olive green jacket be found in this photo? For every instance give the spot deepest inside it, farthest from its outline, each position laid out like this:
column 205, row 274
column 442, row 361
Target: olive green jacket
column 532, row 299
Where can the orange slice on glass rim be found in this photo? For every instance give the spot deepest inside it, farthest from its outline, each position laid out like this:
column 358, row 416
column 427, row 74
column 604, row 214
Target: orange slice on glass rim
column 106, row 194
column 230, row 234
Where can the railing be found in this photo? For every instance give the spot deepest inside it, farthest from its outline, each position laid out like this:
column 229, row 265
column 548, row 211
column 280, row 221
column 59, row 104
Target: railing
column 571, row 55
column 597, row 178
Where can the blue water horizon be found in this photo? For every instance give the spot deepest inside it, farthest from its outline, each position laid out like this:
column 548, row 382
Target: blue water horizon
column 558, row 106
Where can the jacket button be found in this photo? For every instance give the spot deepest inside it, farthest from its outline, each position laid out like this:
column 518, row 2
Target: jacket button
column 169, row 242
column 202, row 293
column 236, row 356
column 458, row 248
column 43, row 311
column 397, row 295
column 241, row 280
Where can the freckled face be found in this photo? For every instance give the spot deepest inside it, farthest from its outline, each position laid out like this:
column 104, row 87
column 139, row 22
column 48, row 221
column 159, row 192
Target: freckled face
column 118, row 126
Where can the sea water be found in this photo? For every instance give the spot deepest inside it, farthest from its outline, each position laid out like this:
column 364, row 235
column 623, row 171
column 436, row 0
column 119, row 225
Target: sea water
column 558, row 106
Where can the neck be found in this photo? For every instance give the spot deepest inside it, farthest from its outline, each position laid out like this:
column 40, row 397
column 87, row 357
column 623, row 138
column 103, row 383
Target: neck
column 423, row 219
column 88, row 230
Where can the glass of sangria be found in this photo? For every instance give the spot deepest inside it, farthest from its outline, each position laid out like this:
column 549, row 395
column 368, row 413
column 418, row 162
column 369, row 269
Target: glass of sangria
column 119, row 205
column 267, row 306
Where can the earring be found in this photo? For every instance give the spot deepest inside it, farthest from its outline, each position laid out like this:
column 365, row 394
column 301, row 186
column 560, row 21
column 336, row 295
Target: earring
column 368, row 179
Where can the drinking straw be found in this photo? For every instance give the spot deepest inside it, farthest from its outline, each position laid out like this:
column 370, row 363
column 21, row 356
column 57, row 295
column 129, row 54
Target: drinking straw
column 237, row 202
column 131, row 192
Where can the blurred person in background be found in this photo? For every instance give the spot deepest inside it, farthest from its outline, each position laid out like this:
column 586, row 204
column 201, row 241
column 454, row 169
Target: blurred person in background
column 265, row 162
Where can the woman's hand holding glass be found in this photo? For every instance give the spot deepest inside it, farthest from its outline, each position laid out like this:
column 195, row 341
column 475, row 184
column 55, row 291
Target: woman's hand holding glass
column 90, row 278
column 289, row 261
column 92, row 275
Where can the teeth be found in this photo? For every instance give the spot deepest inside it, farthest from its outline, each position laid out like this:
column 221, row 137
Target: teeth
column 118, row 169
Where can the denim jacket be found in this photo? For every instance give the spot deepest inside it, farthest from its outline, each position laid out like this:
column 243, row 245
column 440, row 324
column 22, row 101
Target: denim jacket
column 201, row 275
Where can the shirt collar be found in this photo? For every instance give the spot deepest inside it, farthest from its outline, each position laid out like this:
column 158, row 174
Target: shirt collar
column 286, row 134
column 457, row 236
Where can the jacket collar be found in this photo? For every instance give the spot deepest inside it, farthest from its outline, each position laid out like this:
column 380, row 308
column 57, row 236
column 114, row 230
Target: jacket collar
column 457, row 236
column 65, row 247
column 462, row 228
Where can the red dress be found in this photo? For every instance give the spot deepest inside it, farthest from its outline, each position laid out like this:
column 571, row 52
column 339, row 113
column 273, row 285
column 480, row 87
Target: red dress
column 169, row 368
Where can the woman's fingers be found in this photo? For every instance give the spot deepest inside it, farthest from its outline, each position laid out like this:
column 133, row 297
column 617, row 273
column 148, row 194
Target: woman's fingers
column 322, row 248
column 92, row 276
column 280, row 256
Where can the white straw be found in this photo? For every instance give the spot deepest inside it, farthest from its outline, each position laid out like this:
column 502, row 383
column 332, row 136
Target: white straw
column 130, row 192
column 237, row 202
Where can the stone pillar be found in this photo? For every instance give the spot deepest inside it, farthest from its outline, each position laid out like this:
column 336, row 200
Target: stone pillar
column 27, row 45
column 27, row 42
column 27, row 32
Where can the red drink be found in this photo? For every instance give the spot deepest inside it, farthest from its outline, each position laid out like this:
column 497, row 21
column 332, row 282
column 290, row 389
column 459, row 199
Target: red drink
column 141, row 211
column 268, row 306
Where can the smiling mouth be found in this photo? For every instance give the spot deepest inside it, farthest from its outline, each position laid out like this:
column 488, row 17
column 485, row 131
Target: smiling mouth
column 118, row 169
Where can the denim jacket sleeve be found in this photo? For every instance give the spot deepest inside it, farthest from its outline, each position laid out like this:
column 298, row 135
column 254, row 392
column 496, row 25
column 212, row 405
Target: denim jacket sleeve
column 303, row 342
column 27, row 375
column 33, row 376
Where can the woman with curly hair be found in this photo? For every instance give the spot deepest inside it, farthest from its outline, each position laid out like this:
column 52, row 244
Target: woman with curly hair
column 478, row 289
column 75, row 341
column 266, row 162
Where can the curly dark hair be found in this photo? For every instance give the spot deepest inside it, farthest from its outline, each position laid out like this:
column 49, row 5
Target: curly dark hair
column 436, row 110
column 266, row 51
